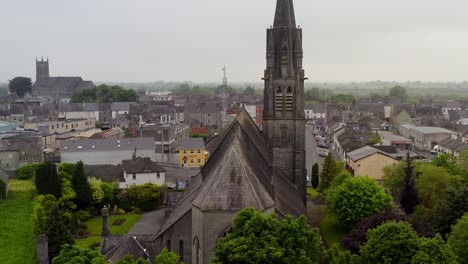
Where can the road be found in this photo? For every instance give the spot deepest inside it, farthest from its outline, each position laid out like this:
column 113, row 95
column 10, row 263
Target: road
column 312, row 156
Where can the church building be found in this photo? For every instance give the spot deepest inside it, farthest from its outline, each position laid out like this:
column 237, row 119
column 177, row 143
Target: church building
column 56, row 87
column 249, row 168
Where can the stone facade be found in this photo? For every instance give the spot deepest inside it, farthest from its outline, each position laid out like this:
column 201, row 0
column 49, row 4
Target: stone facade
column 284, row 116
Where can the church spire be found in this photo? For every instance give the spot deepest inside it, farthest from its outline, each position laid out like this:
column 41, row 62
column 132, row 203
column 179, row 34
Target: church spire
column 284, row 16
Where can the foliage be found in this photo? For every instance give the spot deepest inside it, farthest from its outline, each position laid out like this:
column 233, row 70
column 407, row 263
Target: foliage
column 313, row 95
column 355, row 199
column 81, row 186
column 47, row 180
column 432, row 183
column 450, row 207
column 146, row 196
column 66, row 202
column 448, row 162
column 434, row 251
column 168, row 257
column 315, row 175
column 67, row 168
column 409, row 198
column 259, row 238
column 358, row 236
column 56, row 231
column 374, row 139
column 391, row 242
column 312, row 193
column 17, row 239
column 78, row 254
column 332, row 231
column 97, row 192
column 463, row 160
column 3, row 190
column 20, row 86
column 27, row 171
column 393, row 179
column 328, row 172
column 340, row 178
column 41, row 209
column 336, row 255
column 105, row 94
column 129, row 259
column 108, row 189
column 249, row 90
column 340, row 166
column 399, row 92
column 458, row 239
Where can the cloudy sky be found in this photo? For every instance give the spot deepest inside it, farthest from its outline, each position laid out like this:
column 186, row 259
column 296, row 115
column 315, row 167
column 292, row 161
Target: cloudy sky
column 177, row 40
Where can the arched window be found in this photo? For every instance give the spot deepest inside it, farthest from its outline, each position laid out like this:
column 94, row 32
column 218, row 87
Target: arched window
column 278, row 90
column 181, row 250
column 289, row 90
column 196, row 245
column 284, row 133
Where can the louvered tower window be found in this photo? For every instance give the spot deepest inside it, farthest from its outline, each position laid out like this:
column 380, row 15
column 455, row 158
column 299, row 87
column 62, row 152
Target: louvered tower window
column 279, row 99
column 289, row 99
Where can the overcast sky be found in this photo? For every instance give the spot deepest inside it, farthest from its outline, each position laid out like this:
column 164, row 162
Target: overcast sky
column 177, row 40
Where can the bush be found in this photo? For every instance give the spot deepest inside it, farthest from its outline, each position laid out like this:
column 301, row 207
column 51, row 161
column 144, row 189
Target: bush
column 458, row 239
column 146, row 197
column 355, row 199
column 120, row 211
column 83, row 215
column 27, row 172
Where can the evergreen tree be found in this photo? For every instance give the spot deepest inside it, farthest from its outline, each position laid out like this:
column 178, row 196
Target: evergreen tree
column 328, row 172
column 409, row 196
column 84, row 197
column 47, row 180
column 315, row 175
column 56, row 232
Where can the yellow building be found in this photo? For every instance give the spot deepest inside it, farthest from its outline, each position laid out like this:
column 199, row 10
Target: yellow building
column 192, row 153
column 369, row 161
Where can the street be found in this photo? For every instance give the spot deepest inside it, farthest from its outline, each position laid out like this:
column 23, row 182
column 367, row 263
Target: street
column 312, row 156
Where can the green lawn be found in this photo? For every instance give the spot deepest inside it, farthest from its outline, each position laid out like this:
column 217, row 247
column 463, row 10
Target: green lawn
column 17, row 240
column 312, row 193
column 95, row 228
column 332, row 231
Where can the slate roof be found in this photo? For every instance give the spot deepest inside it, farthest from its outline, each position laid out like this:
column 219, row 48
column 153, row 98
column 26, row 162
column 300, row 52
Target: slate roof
column 63, row 84
column 141, row 165
column 106, row 173
column 239, row 174
column 365, row 152
column 192, row 143
column 118, row 247
column 106, row 144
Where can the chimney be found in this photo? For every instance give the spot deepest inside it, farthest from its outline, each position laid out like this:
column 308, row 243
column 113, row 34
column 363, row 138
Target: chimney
column 105, row 221
column 42, row 249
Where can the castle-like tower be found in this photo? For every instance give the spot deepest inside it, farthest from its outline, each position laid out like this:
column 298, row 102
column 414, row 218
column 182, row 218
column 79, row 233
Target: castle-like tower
column 42, row 70
column 284, row 118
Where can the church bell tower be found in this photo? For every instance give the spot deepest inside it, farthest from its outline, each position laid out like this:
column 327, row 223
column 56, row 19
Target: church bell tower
column 284, row 117
column 42, row 69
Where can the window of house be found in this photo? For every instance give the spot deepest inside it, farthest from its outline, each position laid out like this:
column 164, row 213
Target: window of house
column 66, row 126
column 192, row 161
column 158, row 176
column 191, row 151
column 185, row 151
column 52, row 126
column 72, row 125
column 199, row 151
column 134, row 176
column 62, row 124
column 199, row 161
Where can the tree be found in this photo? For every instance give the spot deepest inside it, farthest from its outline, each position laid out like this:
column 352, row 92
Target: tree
column 20, row 86
column 168, row 257
column 393, row 179
column 458, row 239
column 56, row 231
column 450, row 207
column 357, row 238
column 97, row 193
column 313, row 95
column 47, row 180
column 315, row 175
column 146, row 197
column 463, row 160
column 340, row 178
column 409, row 196
column 391, row 242
column 108, row 189
column 78, row 254
column 336, row 255
column 434, row 251
column 259, row 238
column 249, row 90
column 41, row 209
column 355, row 199
column 448, row 162
column 105, row 94
column 129, row 259
column 66, row 201
column 328, row 172
column 399, row 92
column 80, row 184
column 27, row 171
column 432, row 183
column 374, row 139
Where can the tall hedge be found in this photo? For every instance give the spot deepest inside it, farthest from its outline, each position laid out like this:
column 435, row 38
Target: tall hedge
column 315, row 175
column 47, row 180
column 84, row 197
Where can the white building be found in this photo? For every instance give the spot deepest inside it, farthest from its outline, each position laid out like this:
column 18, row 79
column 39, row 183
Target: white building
column 140, row 171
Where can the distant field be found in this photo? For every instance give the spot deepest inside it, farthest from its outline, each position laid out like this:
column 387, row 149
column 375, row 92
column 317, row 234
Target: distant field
column 17, row 241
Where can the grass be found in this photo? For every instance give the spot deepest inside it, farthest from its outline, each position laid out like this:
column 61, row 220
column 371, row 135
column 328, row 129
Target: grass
column 95, row 228
column 17, row 240
column 332, row 231
column 312, row 193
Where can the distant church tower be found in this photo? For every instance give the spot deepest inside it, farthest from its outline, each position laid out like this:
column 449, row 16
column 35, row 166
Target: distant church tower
column 42, row 69
column 284, row 118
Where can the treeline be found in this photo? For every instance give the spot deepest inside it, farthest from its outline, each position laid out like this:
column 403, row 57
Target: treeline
column 105, row 94
column 203, row 90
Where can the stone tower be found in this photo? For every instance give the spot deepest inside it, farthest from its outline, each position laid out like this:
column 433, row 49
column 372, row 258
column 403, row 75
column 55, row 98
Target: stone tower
column 284, row 118
column 42, row 69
